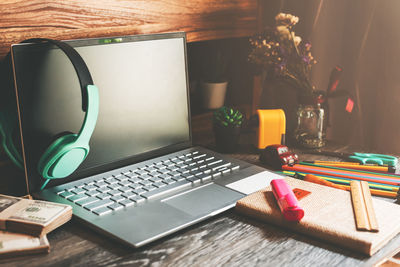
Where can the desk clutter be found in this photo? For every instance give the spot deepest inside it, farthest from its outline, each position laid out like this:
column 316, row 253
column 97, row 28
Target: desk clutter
column 24, row 224
column 328, row 216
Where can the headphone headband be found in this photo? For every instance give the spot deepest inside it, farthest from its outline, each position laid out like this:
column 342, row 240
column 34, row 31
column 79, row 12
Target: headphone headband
column 79, row 64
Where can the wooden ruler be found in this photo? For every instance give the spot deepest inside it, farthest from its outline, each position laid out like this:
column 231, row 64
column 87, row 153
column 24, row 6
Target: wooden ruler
column 362, row 206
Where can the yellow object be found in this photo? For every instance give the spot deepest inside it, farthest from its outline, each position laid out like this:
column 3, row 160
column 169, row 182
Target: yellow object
column 271, row 127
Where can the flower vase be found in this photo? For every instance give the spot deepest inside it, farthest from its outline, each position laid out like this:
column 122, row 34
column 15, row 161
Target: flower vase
column 311, row 126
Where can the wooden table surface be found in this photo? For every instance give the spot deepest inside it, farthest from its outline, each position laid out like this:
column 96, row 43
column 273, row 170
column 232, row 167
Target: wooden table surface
column 228, row 239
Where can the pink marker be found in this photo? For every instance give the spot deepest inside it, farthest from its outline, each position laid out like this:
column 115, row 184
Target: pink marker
column 287, row 201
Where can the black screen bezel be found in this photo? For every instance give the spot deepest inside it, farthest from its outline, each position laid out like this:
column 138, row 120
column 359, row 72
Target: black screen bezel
column 32, row 184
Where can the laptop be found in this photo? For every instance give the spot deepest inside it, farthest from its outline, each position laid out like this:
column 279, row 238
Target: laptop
column 143, row 179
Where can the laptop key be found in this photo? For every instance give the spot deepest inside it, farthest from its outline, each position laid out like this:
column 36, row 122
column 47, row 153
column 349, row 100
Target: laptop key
column 156, row 179
column 197, row 172
column 117, row 198
column 149, row 187
column 116, row 206
column 169, row 181
column 235, row 168
column 66, row 194
column 77, row 197
column 194, row 179
column 164, row 171
column 135, row 180
column 181, row 165
column 141, row 172
column 179, row 178
column 221, row 165
column 138, row 191
column 145, row 176
column 213, row 162
column 102, row 211
column 224, row 170
column 216, row 174
column 164, row 176
column 100, row 183
column 135, row 186
column 199, row 156
column 86, row 201
column 104, row 189
column 115, row 192
column 78, row 190
column 114, row 186
column 160, row 184
column 111, row 181
column 92, row 193
column 206, row 170
column 127, row 202
column 125, row 189
column 183, row 170
column 103, row 196
column 174, row 173
column 204, row 177
column 132, row 174
column 122, row 178
column 209, row 158
column 146, row 182
column 187, row 175
column 99, row 204
column 128, row 194
column 167, row 189
column 125, row 182
column 90, row 187
column 137, row 199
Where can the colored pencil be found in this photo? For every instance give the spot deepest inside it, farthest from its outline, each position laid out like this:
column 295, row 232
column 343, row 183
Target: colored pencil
column 391, row 175
column 341, row 173
column 373, row 168
column 342, row 180
column 380, row 193
column 375, row 192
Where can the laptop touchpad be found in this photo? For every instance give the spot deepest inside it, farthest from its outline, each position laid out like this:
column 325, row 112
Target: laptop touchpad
column 203, row 200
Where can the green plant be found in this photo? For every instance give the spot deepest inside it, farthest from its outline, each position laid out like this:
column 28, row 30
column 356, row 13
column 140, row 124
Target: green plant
column 228, row 117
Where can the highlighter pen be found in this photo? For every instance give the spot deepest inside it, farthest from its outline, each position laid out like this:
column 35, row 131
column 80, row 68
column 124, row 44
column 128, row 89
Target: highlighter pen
column 287, row 201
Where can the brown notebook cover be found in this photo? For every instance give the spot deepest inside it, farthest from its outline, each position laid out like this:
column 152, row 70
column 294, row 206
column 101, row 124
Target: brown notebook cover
column 328, row 216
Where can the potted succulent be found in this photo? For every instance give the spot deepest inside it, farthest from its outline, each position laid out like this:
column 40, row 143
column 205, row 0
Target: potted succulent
column 227, row 123
column 214, row 80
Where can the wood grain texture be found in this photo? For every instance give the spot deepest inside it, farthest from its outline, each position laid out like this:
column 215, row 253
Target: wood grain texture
column 72, row 19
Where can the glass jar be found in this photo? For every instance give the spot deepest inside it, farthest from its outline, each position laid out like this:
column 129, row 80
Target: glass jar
column 311, row 129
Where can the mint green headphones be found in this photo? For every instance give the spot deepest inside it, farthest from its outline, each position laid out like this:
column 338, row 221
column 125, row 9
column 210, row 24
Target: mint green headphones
column 64, row 155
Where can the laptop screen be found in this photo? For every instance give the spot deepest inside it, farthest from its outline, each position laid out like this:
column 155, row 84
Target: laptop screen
column 143, row 110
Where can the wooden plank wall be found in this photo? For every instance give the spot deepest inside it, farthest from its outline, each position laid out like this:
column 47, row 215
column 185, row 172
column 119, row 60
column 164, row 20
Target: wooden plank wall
column 73, row 19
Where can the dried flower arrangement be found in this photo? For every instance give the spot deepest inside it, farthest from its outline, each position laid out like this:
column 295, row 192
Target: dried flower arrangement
column 283, row 54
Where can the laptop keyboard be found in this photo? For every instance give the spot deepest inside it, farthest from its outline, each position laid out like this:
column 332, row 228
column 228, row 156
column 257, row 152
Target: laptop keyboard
column 119, row 190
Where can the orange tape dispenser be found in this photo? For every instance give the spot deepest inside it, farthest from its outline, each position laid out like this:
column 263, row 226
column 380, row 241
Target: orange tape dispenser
column 272, row 127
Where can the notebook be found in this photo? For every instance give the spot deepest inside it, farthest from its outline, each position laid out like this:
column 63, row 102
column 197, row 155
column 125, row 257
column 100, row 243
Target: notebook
column 142, row 179
column 328, row 216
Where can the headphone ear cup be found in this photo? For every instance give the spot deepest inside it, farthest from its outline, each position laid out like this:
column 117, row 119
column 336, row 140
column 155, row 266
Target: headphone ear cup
column 62, row 157
column 54, row 138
